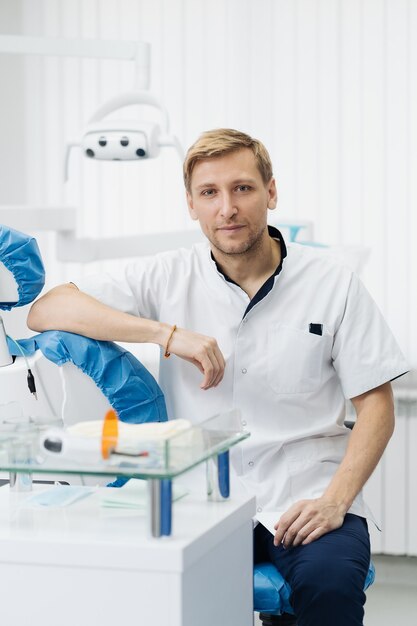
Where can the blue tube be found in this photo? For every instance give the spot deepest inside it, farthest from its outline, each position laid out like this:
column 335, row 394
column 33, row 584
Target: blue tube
column 224, row 474
column 166, row 506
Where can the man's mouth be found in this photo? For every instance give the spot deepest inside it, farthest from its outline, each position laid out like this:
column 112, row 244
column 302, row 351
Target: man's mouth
column 231, row 227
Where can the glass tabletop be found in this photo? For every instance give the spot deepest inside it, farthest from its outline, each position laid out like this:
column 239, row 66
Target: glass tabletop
column 34, row 448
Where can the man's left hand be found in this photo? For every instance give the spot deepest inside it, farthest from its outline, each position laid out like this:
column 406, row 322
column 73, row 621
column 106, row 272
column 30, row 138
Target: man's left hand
column 307, row 520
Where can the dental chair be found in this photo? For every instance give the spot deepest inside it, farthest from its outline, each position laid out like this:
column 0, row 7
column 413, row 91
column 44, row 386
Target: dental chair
column 59, row 378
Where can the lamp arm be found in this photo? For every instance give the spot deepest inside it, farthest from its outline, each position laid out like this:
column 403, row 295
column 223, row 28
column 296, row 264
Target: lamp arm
column 172, row 140
column 68, row 148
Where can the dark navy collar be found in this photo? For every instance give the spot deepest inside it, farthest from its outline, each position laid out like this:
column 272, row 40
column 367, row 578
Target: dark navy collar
column 269, row 283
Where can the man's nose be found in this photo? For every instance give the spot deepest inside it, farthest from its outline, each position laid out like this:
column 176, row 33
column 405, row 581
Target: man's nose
column 228, row 207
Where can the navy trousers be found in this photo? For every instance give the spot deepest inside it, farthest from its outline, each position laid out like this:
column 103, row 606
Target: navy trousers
column 327, row 576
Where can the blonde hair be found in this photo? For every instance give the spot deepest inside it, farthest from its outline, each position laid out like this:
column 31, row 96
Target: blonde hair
column 221, row 141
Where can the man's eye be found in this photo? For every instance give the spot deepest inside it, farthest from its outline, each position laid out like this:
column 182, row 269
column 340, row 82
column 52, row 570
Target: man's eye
column 208, row 192
column 243, row 187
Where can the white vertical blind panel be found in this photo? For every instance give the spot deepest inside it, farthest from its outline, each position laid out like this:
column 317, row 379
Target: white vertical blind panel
column 239, row 45
column 173, row 28
column 12, row 80
column 395, row 480
column 83, row 173
column 328, row 215
column 53, row 126
column 351, row 148
column 80, row 95
column 71, row 117
column 397, row 129
column 149, row 198
column 111, row 207
column 130, row 25
column 34, row 80
column 52, row 112
column 33, row 147
column 283, row 93
column 212, row 75
column 71, row 103
column 373, row 145
column 130, row 30
column 259, row 72
column 189, row 45
column 308, row 68
column 38, row 183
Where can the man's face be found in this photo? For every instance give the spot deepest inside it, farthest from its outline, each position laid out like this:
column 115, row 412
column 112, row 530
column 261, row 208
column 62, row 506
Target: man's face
column 230, row 200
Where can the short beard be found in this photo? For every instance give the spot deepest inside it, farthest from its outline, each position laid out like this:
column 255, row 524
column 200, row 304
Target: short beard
column 252, row 245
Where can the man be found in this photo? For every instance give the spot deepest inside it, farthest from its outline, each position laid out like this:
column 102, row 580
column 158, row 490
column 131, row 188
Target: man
column 283, row 334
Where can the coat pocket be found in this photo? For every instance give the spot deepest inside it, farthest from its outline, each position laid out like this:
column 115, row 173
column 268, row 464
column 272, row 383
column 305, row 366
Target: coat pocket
column 295, row 359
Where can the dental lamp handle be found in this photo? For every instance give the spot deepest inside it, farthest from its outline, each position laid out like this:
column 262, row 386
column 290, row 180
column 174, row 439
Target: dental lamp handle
column 127, row 99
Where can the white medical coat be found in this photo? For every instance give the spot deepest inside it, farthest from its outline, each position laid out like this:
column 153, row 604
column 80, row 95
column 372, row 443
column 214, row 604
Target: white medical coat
column 289, row 384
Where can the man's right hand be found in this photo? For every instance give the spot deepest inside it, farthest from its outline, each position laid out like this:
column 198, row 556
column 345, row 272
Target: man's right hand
column 201, row 351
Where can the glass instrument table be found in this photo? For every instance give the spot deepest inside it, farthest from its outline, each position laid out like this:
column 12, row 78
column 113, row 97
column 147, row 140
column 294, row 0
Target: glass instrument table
column 157, row 460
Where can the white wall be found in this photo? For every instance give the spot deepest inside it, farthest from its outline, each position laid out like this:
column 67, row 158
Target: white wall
column 326, row 84
column 12, row 106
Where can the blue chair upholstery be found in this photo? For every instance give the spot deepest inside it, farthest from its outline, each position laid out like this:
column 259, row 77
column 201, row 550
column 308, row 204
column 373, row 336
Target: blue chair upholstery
column 271, row 594
column 128, row 386
column 21, row 256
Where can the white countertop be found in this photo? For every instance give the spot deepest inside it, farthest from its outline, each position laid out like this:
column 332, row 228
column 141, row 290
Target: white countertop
column 112, row 537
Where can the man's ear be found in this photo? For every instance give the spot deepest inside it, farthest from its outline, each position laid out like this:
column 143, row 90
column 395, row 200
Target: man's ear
column 272, row 194
column 190, row 207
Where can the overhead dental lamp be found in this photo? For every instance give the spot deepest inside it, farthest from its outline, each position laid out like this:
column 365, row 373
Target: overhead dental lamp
column 104, row 138
column 125, row 140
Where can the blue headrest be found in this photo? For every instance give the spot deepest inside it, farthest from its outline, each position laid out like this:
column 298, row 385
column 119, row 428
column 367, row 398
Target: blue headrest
column 20, row 255
column 128, row 386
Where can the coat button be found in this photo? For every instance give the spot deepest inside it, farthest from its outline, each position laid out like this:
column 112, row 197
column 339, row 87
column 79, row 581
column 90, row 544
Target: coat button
column 244, row 370
column 250, row 463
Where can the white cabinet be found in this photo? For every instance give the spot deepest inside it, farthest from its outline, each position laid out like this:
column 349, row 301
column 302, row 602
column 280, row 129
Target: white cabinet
column 85, row 565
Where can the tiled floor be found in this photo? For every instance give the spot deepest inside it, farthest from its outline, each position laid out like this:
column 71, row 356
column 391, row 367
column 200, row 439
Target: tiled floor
column 392, row 599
